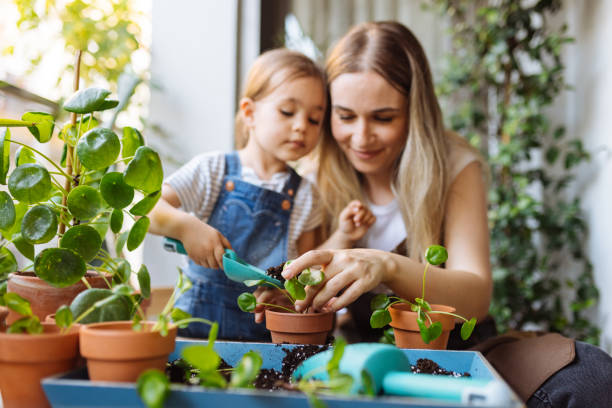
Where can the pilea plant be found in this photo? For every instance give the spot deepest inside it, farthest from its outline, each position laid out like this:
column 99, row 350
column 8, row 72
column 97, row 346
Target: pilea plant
column 80, row 197
column 434, row 255
column 295, row 289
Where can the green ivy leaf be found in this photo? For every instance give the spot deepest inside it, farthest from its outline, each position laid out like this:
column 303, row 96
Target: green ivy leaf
column 43, row 125
column 380, row 318
column 153, row 387
column 138, row 233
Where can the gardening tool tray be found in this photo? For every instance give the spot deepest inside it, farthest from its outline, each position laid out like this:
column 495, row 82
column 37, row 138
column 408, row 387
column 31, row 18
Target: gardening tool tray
column 74, row 389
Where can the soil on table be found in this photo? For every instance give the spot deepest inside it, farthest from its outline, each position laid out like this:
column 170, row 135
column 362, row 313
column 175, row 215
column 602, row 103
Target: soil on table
column 275, row 272
column 427, row 366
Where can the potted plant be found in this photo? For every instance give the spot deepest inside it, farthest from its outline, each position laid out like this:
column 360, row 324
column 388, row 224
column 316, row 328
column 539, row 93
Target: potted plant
column 76, row 201
column 285, row 324
column 418, row 324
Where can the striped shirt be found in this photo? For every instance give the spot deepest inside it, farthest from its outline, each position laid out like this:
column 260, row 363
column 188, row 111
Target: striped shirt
column 198, row 185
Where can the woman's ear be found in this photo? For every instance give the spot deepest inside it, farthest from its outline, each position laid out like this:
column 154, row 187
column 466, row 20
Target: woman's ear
column 247, row 108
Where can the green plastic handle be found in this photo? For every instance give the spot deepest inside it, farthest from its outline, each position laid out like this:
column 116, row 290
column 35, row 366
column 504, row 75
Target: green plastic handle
column 174, row 245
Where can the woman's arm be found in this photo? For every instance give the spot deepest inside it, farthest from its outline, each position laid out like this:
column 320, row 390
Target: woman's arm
column 465, row 284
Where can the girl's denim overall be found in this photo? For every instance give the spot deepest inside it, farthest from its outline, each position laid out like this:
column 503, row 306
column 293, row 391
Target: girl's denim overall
column 255, row 220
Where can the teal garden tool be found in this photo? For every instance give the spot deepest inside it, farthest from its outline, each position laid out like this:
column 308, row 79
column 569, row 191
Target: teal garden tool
column 235, row 268
column 389, row 369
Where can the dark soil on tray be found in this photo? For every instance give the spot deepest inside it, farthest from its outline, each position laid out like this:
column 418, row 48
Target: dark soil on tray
column 427, row 366
column 275, row 272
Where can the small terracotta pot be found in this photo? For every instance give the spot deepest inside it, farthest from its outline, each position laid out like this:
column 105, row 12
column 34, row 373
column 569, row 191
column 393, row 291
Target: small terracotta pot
column 25, row 359
column 115, row 352
column 299, row 328
column 45, row 299
column 406, row 329
column 3, row 313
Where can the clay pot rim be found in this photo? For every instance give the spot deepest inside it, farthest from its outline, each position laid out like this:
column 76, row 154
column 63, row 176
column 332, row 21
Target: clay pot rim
column 121, row 328
column 408, row 322
column 405, row 307
column 57, row 332
column 274, row 312
column 28, row 275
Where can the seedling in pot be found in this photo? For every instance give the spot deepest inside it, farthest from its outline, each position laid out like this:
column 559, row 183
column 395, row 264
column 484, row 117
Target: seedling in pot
column 294, row 289
column 435, row 255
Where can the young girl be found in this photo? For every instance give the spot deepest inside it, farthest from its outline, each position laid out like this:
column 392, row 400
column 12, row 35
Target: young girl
column 251, row 200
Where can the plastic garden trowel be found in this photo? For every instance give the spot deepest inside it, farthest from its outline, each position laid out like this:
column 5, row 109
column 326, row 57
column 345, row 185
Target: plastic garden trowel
column 389, row 371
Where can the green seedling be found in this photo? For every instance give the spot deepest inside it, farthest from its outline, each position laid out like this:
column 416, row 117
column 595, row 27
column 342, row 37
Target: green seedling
column 295, row 289
column 435, row 255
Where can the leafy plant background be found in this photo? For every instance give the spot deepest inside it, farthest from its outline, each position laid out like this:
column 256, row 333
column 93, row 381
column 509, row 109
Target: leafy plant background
column 504, row 74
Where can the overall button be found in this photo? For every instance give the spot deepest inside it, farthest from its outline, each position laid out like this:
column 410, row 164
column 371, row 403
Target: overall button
column 290, row 192
column 229, row 185
column 285, row 205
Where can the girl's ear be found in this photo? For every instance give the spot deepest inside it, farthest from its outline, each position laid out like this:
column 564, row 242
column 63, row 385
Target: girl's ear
column 247, row 108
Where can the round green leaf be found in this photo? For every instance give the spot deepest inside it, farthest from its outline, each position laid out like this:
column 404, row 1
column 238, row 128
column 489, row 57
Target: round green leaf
column 204, row 358
column 7, row 211
column 467, row 328
column 59, row 267
column 63, row 317
column 380, row 301
column 5, row 153
column 137, row 233
column 70, row 132
column 144, row 281
column 17, row 303
column 84, row 240
column 132, row 139
column 98, row 148
column 247, row 302
column 24, row 247
column 114, row 190
column 144, row 172
column 153, row 387
column 380, row 318
column 117, row 308
column 116, row 221
column 295, row 289
column 43, row 125
column 89, row 100
column 144, row 206
column 24, row 156
column 8, row 263
column 311, row 277
column 30, row 183
column 436, row 255
column 20, row 210
column 84, row 202
column 247, row 370
column 39, row 224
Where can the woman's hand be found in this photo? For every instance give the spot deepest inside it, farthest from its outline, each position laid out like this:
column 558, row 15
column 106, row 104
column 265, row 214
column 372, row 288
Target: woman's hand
column 353, row 271
column 271, row 296
column 204, row 244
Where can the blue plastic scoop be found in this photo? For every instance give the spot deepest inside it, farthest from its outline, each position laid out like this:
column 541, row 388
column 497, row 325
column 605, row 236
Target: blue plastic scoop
column 389, row 369
column 235, row 268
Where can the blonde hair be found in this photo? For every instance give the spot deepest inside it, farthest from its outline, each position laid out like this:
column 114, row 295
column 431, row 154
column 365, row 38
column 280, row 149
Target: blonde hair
column 270, row 70
column 420, row 181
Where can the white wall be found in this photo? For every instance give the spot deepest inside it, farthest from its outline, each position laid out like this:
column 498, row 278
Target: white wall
column 588, row 115
column 193, row 73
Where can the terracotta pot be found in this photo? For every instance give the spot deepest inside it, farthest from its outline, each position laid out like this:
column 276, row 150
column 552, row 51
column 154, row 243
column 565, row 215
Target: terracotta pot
column 44, row 298
column 27, row 358
column 3, row 313
column 115, row 352
column 299, row 328
column 406, row 329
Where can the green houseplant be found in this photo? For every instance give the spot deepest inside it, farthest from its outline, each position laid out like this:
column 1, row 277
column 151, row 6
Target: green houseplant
column 286, row 325
column 411, row 320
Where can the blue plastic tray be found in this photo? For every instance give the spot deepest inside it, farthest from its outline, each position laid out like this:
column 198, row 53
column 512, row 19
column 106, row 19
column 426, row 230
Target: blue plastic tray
column 75, row 390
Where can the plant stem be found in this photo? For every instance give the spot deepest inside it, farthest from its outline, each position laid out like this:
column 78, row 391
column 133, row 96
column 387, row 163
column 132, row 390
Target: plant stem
column 42, row 155
column 424, row 273
column 279, row 306
column 449, row 314
column 84, row 280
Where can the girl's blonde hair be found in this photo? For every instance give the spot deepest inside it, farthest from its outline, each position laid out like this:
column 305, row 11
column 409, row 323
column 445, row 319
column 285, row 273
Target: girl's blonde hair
column 420, row 180
column 270, row 70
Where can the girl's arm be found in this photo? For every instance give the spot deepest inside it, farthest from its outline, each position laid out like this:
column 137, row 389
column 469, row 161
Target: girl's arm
column 203, row 243
column 465, row 284
column 354, row 221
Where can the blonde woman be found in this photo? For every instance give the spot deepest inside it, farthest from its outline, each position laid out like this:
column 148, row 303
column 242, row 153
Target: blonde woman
column 387, row 147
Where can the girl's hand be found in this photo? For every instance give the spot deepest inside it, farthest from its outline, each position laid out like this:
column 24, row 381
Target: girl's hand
column 272, row 296
column 204, row 244
column 355, row 220
column 356, row 271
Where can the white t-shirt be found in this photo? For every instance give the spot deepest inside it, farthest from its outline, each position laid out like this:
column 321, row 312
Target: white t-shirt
column 198, row 185
column 389, row 230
